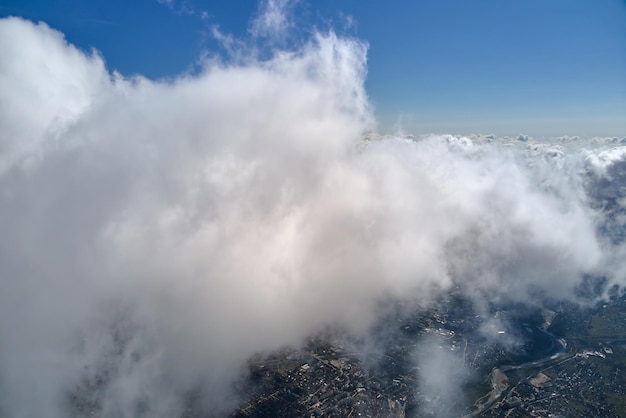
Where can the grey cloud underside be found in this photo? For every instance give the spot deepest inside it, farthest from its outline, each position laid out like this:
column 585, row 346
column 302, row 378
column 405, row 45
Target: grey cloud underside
column 155, row 235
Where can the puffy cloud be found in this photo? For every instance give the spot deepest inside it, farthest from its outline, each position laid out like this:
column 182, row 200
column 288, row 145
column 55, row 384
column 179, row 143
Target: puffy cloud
column 157, row 234
column 170, row 210
column 46, row 83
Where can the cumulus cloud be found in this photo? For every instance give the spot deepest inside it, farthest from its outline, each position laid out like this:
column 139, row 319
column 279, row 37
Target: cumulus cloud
column 157, row 234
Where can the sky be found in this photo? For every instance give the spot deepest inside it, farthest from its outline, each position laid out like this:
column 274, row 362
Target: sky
column 544, row 68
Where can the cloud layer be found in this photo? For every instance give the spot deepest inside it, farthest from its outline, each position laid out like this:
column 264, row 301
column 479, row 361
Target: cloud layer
column 155, row 235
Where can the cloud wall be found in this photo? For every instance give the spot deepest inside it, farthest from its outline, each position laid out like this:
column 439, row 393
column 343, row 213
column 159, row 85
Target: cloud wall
column 156, row 234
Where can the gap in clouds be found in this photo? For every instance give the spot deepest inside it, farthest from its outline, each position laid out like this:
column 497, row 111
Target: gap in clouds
column 157, row 235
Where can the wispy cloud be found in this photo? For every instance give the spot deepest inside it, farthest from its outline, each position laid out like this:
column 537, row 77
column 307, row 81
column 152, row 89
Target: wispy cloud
column 184, row 7
column 273, row 19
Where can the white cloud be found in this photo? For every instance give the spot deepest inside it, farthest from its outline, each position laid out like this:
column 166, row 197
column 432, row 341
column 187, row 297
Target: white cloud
column 157, row 234
column 273, row 19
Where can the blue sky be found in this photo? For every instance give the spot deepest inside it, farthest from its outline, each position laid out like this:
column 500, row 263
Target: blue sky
column 539, row 67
